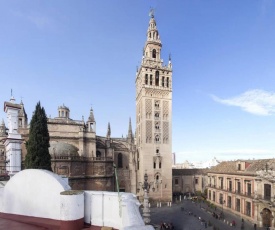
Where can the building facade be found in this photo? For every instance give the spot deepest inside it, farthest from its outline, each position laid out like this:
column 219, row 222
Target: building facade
column 189, row 181
column 246, row 188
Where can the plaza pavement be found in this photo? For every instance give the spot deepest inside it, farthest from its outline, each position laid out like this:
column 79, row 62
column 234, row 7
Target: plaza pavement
column 183, row 221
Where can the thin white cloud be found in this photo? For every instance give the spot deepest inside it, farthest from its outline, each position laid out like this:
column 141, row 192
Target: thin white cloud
column 39, row 20
column 255, row 101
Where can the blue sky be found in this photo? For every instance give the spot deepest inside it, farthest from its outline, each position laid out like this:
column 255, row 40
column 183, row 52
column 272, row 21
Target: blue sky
column 85, row 53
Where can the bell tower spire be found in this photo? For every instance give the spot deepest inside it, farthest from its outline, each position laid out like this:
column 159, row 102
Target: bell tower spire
column 154, row 116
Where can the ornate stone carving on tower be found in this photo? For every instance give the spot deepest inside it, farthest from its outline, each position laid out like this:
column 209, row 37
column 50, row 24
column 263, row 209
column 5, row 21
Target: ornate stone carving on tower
column 13, row 141
column 154, row 117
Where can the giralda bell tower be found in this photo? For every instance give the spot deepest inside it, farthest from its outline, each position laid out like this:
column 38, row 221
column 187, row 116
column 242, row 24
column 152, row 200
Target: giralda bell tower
column 154, row 118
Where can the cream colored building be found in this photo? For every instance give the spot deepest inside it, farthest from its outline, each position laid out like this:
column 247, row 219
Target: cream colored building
column 154, row 117
column 247, row 188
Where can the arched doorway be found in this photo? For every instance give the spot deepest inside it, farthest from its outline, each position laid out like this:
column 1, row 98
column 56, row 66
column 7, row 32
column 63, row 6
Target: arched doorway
column 266, row 217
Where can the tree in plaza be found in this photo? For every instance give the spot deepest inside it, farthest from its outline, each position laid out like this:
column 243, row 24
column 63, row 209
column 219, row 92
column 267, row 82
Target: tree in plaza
column 38, row 156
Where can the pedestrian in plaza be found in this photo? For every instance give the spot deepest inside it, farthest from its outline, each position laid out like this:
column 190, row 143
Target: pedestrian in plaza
column 255, row 226
column 171, row 226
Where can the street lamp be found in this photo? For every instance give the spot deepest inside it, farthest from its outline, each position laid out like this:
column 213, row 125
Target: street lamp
column 222, row 202
column 146, row 209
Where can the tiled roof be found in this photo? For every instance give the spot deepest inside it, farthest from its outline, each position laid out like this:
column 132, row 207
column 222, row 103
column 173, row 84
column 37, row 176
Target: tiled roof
column 181, row 172
column 251, row 166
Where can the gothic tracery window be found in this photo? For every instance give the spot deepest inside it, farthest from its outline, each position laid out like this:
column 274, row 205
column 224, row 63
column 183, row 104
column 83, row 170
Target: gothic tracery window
column 120, row 160
column 98, row 154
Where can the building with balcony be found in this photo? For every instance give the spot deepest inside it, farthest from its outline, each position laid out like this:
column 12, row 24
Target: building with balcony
column 245, row 187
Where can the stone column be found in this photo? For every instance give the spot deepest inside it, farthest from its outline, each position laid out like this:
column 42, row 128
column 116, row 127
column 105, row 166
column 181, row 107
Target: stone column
column 146, row 209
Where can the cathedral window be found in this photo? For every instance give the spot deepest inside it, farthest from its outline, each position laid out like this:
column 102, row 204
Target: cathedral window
column 154, row 53
column 151, row 79
column 156, row 115
column 146, row 79
column 154, row 165
column 162, row 81
column 120, row 160
column 160, row 165
column 157, row 78
column 20, row 122
column 98, row 154
column 62, row 113
column 167, row 82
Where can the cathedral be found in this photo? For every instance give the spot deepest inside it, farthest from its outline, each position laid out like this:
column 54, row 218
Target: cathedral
column 91, row 162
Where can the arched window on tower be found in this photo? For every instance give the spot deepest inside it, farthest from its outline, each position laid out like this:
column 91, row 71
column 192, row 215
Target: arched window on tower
column 154, row 53
column 157, row 78
column 167, row 82
column 157, row 178
column 120, row 160
column 146, row 79
column 156, row 104
column 151, row 79
column 162, row 82
column 157, row 126
column 157, row 138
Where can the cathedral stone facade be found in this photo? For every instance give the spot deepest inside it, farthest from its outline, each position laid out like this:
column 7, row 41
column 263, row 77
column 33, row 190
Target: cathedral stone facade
column 90, row 161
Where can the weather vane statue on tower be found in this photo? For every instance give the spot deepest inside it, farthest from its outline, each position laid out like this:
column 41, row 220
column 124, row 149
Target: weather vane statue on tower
column 152, row 12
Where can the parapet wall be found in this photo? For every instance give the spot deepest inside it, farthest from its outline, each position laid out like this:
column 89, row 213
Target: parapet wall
column 45, row 195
